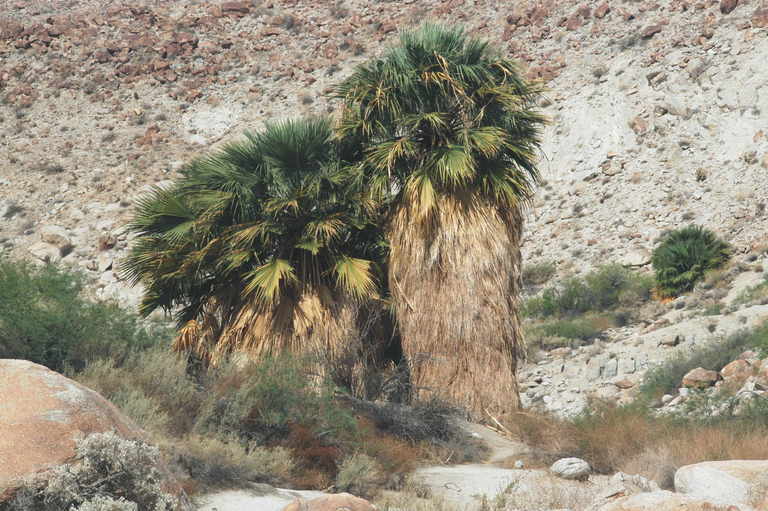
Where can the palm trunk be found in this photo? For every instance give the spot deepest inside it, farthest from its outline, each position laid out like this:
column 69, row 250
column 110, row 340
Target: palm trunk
column 455, row 278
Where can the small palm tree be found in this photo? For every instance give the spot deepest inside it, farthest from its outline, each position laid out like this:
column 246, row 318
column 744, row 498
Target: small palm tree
column 451, row 135
column 262, row 247
column 684, row 256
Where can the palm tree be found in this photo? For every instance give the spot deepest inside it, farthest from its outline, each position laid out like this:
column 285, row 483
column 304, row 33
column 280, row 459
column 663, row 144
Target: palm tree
column 263, row 247
column 451, row 135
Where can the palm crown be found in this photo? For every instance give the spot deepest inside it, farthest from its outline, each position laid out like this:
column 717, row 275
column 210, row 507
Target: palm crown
column 251, row 240
column 441, row 114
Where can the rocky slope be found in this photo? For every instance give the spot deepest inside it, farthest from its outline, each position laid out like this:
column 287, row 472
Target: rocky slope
column 657, row 115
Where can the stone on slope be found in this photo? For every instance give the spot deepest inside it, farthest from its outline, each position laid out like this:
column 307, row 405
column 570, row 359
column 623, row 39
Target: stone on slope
column 337, row 502
column 45, row 252
column 666, row 501
column 726, row 6
column 700, row 378
column 571, row 468
column 42, row 416
column 623, row 485
column 56, row 236
column 729, row 481
column 740, row 369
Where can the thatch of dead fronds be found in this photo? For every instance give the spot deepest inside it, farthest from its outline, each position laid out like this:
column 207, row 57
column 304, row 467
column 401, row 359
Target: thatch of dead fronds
column 456, row 281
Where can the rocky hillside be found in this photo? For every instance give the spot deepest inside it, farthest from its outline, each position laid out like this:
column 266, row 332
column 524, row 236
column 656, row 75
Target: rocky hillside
column 658, row 112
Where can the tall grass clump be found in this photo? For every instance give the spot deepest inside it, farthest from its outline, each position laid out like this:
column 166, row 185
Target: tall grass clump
column 684, row 256
column 46, row 318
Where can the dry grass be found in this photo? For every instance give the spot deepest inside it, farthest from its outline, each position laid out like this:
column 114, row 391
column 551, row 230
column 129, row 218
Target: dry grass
column 455, row 276
column 413, row 498
column 544, row 491
column 759, row 492
column 630, row 440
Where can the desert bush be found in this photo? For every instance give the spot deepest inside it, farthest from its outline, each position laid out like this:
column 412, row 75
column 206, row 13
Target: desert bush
column 754, row 295
column 107, row 467
column 214, row 463
column 666, row 378
column 360, row 475
column 260, row 402
column 211, row 425
column 45, row 318
column 538, row 273
column 152, row 387
column 429, row 420
column 608, row 287
column 684, row 256
column 579, row 328
column 396, row 457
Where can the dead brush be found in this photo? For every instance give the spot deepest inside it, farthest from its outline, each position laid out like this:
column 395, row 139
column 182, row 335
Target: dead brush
column 632, row 440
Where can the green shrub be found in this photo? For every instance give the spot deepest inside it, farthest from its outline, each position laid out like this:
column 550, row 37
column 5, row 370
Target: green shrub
column 666, row 378
column 684, row 256
column 260, row 402
column 253, row 402
column 538, row 273
column 45, row 318
column 217, row 463
column 607, row 287
column 360, row 475
column 584, row 329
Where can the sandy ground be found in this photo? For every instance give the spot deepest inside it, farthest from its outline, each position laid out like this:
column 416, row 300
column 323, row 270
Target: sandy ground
column 260, row 498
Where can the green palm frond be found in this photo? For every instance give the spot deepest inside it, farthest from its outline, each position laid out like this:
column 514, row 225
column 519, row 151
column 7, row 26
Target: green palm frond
column 266, row 280
column 443, row 104
column 356, row 276
column 261, row 223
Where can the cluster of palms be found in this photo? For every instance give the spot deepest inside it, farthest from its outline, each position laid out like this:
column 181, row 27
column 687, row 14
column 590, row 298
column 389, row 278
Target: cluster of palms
column 409, row 202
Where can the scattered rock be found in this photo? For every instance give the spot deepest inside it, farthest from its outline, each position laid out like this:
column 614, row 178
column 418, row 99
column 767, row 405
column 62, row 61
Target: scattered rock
column 738, row 370
column 760, row 18
column 700, row 378
column 662, row 501
column 238, row 8
column 624, row 383
column 45, row 252
column 729, row 482
column 571, row 468
column 602, row 11
column 726, row 6
column 650, row 31
column 56, row 236
column 639, row 125
column 8, row 209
